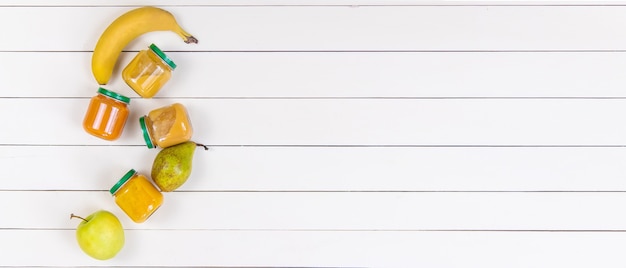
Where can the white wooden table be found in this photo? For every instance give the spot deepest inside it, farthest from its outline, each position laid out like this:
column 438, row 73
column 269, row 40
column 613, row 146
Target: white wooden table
column 342, row 133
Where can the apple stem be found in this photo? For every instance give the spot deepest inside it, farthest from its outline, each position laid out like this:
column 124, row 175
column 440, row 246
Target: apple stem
column 206, row 148
column 74, row 216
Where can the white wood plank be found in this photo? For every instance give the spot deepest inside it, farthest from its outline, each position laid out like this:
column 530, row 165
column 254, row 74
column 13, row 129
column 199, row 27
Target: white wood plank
column 223, row 3
column 328, row 168
column 463, row 122
column 166, row 3
column 288, row 28
column 319, row 74
column 331, row 210
column 324, row 249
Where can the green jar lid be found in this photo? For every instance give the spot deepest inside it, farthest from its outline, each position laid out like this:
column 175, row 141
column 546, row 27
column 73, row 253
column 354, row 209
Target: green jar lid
column 123, row 180
column 114, row 95
column 146, row 134
column 167, row 60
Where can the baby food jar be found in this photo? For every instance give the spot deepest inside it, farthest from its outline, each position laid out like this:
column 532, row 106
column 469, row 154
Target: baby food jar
column 106, row 114
column 136, row 196
column 148, row 71
column 166, row 126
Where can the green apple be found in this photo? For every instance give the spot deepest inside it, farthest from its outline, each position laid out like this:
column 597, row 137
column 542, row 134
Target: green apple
column 100, row 235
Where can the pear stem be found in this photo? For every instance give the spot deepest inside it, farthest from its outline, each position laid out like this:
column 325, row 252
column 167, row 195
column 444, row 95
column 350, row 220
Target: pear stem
column 74, row 216
column 206, row 148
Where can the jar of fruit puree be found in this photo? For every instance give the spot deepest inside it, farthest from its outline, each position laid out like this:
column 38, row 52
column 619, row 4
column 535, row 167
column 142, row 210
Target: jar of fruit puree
column 148, row 71
column 166, row 126
column 106, row 115
column 136, row 196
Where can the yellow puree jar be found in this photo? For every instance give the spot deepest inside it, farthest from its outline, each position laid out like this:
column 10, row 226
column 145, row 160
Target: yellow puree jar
column 136, row 196
column 166, row 126
column 148, row 71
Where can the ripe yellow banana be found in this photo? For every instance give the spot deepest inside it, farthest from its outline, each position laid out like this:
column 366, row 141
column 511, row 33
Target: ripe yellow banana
column 126, row 28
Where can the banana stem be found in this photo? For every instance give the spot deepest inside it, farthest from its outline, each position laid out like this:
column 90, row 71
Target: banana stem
column 190, row 39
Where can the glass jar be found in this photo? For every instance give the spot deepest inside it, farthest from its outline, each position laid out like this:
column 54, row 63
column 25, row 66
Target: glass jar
column 166, row 126
column 106, row 115
column 136, row 196
column 148, row 71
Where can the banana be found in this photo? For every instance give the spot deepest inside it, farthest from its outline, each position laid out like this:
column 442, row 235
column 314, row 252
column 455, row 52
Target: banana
column 124, row 29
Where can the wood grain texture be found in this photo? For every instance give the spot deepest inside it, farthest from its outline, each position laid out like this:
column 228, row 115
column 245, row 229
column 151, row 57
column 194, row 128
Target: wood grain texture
column 343, row 122
column 244, row 168
column 331, row 211
column 335, row 28
column 337, row 75
column 322, row 249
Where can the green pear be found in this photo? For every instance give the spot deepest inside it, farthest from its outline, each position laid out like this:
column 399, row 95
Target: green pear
column 100, row 235
column 172, row 165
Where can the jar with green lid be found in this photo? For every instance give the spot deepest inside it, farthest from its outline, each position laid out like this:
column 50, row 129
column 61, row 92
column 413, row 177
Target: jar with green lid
column 136, row 196
column 148, row 71
column 106, row 115
column 166, row 126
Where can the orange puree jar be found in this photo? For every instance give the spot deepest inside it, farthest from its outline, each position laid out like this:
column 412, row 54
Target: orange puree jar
column 166, row 126
column 136, row 196
column 106, row 114
column 148, row 71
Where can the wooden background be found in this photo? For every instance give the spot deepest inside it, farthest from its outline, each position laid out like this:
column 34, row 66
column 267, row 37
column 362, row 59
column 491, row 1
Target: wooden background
column 342, row 133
